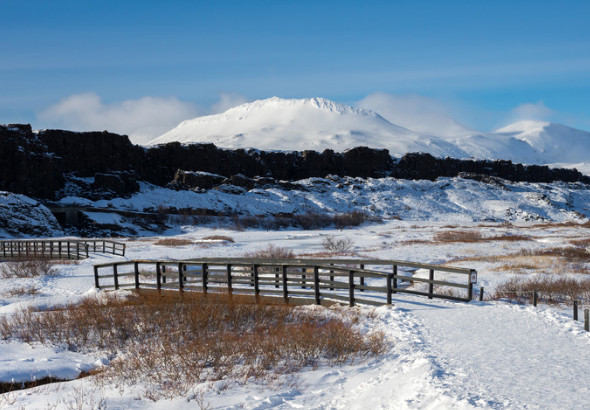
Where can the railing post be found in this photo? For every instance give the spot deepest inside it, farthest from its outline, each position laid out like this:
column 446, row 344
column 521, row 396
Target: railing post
column 316, row 284
column 69, row 252
column 163, row 273
column 229, row 282
column 276, row 277
column 104, row 245
column 59, row 248
column 362, row 278
column 51, row 249
column 575, row 310
column 389, row 290
column 205, row 272
column 180, row 277
column 136, row 274
column 480, row 294
column 351, row 288
column 256, row 283
column 303, row 278
column 158, row 276
column 331, row 277
column 116, row 276
column 285, row 290
column 96, row 281
column 535, row 298
column 430, row 284
column 394, row 278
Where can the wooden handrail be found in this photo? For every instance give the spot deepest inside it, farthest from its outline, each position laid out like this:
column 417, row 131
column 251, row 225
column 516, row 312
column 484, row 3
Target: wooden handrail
column 58, row 248
column 315, row 278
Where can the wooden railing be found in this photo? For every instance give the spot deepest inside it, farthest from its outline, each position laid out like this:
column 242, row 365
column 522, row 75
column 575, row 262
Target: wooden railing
column 354, row 281
column 58, row 249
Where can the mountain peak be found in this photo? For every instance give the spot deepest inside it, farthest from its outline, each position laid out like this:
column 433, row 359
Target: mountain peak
column 291, row 124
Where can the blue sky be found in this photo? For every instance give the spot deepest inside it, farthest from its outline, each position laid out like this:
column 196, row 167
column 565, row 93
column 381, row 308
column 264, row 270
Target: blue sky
column 482, row 61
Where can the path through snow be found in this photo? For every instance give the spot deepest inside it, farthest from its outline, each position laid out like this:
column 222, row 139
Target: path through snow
column 506, row 356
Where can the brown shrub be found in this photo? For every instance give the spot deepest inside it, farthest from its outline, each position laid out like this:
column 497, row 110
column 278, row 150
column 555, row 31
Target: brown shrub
column 550, row 289
column 22, row 290
column 271, row 252
column 169, row 343
column 27, row 268
column 458, row 236
column 173, row 242
column 334, row 245
column 219, row 238
column 473, row 236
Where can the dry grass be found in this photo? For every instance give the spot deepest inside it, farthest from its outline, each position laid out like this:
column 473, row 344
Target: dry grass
column 27, row 268
column 168, row 343
column 474, row 236
column 173, row 242
column 584, row 243
column 271, row 252
column 219, row 238
column 333, row 245
column 309, row 220
column 458, row 236
column 550, row 289
column 22, row 290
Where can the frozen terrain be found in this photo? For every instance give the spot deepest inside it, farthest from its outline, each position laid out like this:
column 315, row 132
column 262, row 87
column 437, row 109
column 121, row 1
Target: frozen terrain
column 317, row 123
column 489, row 354
column 446, row 199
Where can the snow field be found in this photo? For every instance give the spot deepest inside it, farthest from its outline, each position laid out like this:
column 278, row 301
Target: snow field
column 441, row 354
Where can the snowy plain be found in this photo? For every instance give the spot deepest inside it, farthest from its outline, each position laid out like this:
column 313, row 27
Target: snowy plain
column 490, row 354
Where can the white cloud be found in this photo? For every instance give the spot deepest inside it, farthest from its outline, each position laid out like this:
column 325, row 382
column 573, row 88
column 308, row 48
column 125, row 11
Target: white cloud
column 422, row 114
column 531, row 111
column 227, row 101
column 142, row 119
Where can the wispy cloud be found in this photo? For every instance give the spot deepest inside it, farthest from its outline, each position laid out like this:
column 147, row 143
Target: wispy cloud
column 227, row 101
column 142, row 119
column 531, row 111
column 422, row 114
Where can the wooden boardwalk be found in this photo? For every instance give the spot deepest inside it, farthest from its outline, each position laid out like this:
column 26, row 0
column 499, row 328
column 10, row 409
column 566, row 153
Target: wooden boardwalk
column 352, row 281
column 58, row 248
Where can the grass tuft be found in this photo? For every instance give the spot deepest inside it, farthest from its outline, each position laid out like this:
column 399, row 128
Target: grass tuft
column 27, row 268
column 173, row 242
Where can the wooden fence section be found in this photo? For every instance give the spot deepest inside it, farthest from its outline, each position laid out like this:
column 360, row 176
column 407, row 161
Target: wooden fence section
column 58, row 249
column 372, row 282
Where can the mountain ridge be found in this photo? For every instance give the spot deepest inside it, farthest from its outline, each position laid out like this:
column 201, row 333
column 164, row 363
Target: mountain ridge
column 318, row 123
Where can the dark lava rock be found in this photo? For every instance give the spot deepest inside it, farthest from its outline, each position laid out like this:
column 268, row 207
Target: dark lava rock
column 196, row 180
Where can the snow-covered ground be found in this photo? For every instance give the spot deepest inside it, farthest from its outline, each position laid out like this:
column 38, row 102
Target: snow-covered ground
column 441, row 354
column 446, row 199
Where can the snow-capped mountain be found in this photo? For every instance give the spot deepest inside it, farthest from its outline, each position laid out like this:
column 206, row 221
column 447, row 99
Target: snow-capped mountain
column 300, row 124
column 317, row 123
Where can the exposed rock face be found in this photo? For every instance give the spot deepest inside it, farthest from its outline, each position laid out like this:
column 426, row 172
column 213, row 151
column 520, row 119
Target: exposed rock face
column 26, row 165
column 34, row 164
column 121, row 183
column 195, row 180
column 21, row 216
column 425, row 166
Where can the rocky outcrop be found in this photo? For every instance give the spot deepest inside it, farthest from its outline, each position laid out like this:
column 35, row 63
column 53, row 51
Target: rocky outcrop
column 35, row 163
column 27, row 166
column 425, row 166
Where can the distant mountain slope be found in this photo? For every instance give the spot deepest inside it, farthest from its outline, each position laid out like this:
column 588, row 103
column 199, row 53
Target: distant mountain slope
column 303, row 124
column 317, row 124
